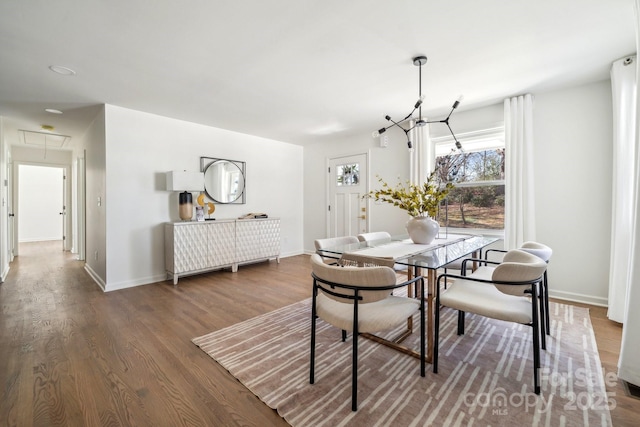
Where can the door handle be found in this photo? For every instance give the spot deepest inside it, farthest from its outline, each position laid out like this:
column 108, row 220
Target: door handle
column 11, row 214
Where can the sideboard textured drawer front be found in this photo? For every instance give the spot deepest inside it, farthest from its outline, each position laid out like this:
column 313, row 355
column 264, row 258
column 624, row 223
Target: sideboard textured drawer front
column 222, row 244
column 270, row 238
column 247, row 240
column 190, row 248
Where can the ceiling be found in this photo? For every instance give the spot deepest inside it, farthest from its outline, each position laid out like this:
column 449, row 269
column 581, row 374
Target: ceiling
column 298, row 71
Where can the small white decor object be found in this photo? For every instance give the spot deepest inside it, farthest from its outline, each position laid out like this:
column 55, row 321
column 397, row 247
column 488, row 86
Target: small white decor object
column 199, row 213
column 422, row 229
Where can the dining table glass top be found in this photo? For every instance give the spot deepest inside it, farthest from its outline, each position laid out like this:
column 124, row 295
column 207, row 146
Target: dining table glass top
column 443, row 250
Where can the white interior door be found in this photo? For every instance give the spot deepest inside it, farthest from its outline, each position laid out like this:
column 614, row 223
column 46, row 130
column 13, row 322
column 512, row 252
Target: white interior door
column 347, row 184
column 80, row 208
column 63, row 211
column 10, row 214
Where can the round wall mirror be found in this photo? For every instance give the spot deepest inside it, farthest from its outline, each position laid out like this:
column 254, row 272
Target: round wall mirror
column 224, row 181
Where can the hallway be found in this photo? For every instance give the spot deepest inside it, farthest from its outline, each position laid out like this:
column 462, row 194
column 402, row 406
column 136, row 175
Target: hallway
column 72, row 355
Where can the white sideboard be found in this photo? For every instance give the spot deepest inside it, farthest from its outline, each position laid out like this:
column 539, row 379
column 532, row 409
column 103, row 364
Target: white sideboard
column 194, row 247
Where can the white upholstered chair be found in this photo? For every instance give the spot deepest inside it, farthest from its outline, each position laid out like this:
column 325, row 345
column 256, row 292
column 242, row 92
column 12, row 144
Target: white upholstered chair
column 358, row 299
column 333, row 241
column 374, row 235
column 352, row 259
column 509, row 294
column 543, row 252
column 382, row 235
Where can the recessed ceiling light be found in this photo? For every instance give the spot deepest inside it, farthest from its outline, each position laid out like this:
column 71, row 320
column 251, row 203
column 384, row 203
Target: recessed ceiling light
column 52, row 111
column 62, row 70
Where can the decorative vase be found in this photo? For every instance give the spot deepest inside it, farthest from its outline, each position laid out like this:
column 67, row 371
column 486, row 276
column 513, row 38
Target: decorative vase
column 185, row 201
column 422, row 229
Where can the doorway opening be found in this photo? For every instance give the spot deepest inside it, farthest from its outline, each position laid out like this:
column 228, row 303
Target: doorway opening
column 41, row 214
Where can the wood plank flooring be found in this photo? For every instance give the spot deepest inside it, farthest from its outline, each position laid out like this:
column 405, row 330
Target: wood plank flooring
column 71, row 355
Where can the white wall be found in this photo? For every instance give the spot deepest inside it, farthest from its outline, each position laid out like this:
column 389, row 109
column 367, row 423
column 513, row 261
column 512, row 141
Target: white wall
column 573, row 137
column 142, row 147
column 92, row 147
column 40, row 203
column 573, row 131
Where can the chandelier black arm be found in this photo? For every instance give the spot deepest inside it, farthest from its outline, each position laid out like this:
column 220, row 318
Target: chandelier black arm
column 446, row 122
column 458, row 145
column 406, row 131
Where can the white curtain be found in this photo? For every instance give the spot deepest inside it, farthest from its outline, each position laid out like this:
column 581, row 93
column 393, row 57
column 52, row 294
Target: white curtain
column 519, row 215
column 628, row 364
column 422, row 156
column 623, row 86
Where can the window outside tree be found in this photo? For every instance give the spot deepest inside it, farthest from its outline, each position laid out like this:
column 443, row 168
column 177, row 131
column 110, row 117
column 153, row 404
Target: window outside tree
column 477, row 201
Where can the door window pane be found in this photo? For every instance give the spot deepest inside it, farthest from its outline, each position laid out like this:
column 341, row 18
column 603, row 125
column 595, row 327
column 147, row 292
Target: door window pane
column 348, row 174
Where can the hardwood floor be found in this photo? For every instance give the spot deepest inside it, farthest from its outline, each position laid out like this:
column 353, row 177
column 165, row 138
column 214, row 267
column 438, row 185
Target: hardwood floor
column 73, row 355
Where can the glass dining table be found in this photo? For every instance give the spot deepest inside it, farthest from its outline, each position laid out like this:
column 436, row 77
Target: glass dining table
column 417, row 258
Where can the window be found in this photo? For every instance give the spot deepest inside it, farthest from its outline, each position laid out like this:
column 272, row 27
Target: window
column 477, row 200
column 348, row 174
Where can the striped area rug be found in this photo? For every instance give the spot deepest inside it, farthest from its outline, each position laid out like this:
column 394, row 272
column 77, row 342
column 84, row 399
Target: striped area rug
column 484, row 378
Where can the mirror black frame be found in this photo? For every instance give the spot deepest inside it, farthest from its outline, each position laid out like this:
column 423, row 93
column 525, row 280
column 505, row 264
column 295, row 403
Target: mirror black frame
column 206, row 162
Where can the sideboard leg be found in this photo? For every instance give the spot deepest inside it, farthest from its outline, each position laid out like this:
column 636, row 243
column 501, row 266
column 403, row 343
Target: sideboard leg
column 175, row 280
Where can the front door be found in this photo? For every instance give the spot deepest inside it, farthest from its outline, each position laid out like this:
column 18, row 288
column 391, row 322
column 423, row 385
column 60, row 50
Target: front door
column 347, row 185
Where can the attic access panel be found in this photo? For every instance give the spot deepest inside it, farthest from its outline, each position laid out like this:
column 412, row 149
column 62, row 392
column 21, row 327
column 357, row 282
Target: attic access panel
column 43, row 139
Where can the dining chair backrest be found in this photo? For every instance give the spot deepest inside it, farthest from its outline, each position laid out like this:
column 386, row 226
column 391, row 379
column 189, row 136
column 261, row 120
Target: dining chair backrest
column 334, row 241
column 374, row 235
column 351, row 259
column 370, row 277
column 518, row 266
column 540, row 250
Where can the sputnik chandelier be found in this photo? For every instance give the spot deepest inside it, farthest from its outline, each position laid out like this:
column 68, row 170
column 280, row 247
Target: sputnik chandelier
column 419, row 61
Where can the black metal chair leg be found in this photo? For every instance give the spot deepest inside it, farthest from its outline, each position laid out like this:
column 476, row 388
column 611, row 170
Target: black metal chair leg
column 543, row 328
column 436, row 335
column 545, row 285
column 536, row 341
column 460, row 322
column 313, row 339
column 354, row 375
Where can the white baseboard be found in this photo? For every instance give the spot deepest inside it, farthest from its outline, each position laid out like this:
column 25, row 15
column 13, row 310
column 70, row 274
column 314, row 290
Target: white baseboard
column 94, row 276
column 4, row 274
column 581, row 298
column 138, row 282
column 40, row 239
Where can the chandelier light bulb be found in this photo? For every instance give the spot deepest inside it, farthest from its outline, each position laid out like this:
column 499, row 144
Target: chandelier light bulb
column 376, row 133
column 458, row 101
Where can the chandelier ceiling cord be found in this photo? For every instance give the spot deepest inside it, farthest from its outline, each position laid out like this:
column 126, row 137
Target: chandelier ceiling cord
column 419, row 61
